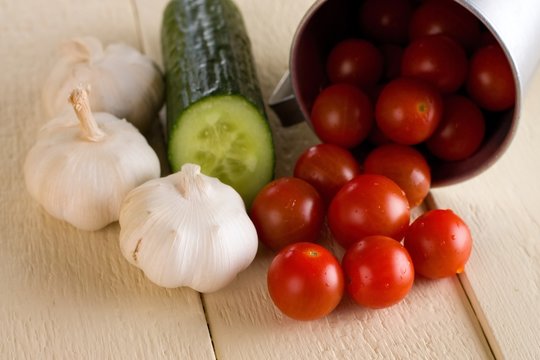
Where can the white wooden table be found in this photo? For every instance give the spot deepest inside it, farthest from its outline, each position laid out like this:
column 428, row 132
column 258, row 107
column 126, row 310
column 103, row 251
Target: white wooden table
column 67, row 294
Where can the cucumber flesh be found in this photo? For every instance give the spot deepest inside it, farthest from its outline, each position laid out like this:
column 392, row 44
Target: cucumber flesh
column 228, row 137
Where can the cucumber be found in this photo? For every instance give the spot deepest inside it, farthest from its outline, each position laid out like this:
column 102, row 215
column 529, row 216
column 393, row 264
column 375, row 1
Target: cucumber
column 215, row 112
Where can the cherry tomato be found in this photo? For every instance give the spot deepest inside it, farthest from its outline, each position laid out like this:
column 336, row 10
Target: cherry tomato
column 368, row 205
column 342, row 115
column 327, row 168
column 355, row 61
column 286, row 211
column 305, row 281
column 386, row 20
column 403, row 164
column 437, row 59
column 408, row 110
column 439, row 243
column 378, row 271
column 446, row 17
column 460, row 132
column 490, row 82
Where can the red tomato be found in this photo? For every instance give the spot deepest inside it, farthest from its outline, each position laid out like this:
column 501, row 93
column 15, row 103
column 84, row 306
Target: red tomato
column 356, row 62
column 490, row 82
column 378, row 271
column 327, row 168
column 368, row 205
column 305, row 281
column 408, row 110
column 460, row 132
column 446, row 17
column 342, row 115
column 404, row 165
column 439, row 243
column 386, row 20
column 437, row 59
column 286, row 211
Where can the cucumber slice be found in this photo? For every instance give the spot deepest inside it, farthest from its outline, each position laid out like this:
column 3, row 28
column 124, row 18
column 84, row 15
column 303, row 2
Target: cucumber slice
column 225, row 136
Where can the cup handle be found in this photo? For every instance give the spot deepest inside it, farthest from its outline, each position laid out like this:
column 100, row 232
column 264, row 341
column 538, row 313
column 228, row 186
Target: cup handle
column 283, row 103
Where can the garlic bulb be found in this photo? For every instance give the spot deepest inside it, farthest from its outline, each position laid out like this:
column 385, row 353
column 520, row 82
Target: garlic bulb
column 187, row 229
column 81, row 167
column 124, row 82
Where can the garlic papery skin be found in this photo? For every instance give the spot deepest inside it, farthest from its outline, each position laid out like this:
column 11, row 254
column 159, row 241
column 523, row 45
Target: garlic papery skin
column 187, row 229
column 80, row 172
column 124, row 82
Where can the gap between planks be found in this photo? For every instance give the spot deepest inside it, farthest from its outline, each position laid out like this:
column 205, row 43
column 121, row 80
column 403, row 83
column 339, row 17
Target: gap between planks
column 203, row 302
column 468, row 292
column 159, row 128
column 138, row 26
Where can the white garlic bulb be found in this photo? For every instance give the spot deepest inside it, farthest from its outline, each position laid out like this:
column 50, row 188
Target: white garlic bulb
column 124, row 82
column 187, row 229
column 81, row 167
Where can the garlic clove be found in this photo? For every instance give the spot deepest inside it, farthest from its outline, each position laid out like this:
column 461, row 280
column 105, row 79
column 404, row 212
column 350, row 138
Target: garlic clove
column 187, row 229
column 124, row 82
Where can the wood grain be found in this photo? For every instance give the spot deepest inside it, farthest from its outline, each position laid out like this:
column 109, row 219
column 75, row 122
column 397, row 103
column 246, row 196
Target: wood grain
column 67, row 294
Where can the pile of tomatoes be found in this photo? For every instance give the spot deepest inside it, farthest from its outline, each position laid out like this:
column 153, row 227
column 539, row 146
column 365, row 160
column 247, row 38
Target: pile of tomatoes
column 419, row 83
column 422, row 76
column 369, row 216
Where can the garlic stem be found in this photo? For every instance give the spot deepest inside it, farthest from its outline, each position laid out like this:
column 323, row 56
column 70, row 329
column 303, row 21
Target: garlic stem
column 81, row 105
column 191, row 183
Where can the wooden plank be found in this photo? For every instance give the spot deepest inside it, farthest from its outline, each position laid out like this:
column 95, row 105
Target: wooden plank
column 501, row 206
column 434, row 321
column 149, row 14
column 66, row 293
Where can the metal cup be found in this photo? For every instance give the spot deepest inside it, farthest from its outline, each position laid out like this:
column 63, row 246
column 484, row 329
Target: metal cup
column 515, row 25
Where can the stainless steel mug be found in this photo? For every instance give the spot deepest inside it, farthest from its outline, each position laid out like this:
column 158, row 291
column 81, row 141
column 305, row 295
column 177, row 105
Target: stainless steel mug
column 515, row 24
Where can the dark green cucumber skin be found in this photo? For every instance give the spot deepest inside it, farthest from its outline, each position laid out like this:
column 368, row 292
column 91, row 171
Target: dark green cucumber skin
column 206, row 52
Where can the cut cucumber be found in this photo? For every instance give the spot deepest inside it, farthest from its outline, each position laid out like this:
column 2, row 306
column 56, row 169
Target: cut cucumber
column 224, row 135
column 215, row 112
